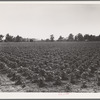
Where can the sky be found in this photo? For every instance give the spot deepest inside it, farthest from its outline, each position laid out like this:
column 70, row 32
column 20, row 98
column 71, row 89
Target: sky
column 40, row 20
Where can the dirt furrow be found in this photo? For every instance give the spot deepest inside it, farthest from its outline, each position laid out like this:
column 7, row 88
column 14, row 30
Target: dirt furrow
column 8, row 86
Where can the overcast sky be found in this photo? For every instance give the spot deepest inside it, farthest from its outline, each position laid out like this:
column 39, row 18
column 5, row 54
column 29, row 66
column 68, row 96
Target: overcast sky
column 42, row 20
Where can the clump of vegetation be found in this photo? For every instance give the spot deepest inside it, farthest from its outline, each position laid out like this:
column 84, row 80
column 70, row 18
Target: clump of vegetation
column 49, row 76
column 98, row 80
column 35, row 78
column 84, row 84
column 64, row 75
column 58, row 81
column 10, row 74
column 19, row 80
column 42, row 72
column 41, row 82
column 68, row 88
column 73, row 79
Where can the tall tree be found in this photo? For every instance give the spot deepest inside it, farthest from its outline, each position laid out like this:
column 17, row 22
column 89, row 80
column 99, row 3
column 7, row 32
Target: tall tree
column 92, row 38
column 60, row 38
column 9, row 38
column 80, row 37
column 70, row 37
column 1, row 37
column 98, row 38
column 86, row 37
column 76, row 38
column 18, row 38
column 52, row 38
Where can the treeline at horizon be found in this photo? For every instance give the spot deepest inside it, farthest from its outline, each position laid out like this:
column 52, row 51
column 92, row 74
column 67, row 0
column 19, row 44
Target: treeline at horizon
column 71, row 37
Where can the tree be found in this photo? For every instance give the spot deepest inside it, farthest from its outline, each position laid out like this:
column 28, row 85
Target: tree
column 60, row 38
column 47, row 40
column 42, row 40
column 76, row 38
column 8, row 38
column 98, row 38
column 51, row 38
column 31, row 40
column 86, row 37
column 1, row 36
column 80, row 37
column 92, row 38
column 70, row 37
column 18, row 38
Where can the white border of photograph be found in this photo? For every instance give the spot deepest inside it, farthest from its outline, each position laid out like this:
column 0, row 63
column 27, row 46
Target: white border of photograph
column 51, row 95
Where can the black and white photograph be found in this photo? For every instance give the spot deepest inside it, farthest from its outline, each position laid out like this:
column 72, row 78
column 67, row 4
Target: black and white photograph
column 49, row 47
